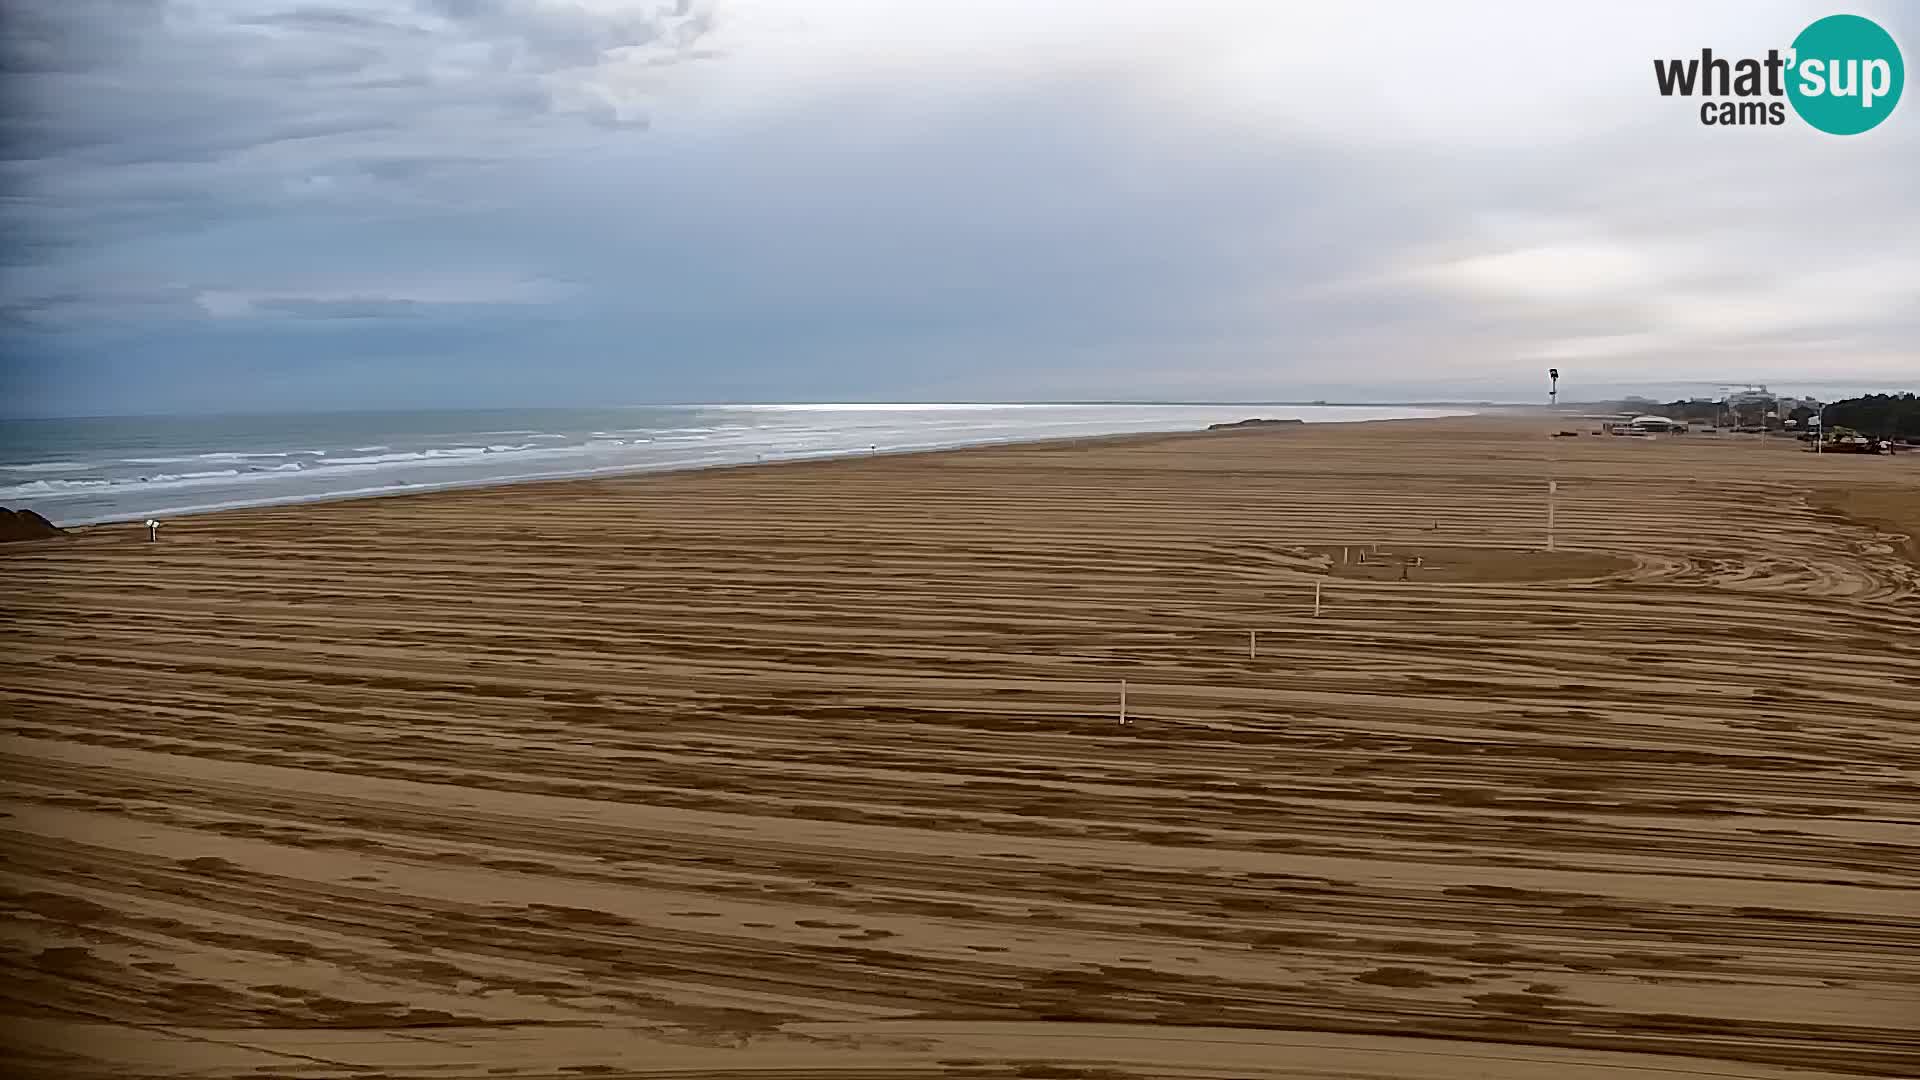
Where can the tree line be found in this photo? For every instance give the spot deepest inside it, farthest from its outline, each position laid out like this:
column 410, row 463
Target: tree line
column 1882, row 416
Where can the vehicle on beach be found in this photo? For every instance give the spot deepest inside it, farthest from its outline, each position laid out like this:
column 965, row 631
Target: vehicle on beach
column 1844, row 441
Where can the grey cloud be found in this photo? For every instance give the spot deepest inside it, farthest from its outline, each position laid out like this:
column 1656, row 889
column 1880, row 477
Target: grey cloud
column 73, row 36
column 351, row 308
column 254, row 108
column 63, row 308
column 323, row 18
column 467, row 9
column 546, row 36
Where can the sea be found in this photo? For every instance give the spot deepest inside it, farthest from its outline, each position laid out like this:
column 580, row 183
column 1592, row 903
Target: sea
column 100, row 469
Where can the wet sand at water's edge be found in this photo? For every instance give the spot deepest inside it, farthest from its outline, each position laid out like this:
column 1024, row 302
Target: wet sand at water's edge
column 814, row 770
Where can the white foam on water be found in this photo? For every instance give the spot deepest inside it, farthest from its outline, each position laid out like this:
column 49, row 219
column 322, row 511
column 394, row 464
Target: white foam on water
column 429, row 455
column 48, row 466
column 404, row 487
column 49, row 487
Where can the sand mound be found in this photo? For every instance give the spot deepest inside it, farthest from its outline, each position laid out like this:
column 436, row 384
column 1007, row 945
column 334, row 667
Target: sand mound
column 25, row 525
column 1253, row 423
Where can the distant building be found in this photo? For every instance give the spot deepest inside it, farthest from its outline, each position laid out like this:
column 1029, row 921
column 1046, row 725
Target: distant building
column 1647, row 425
column 1655, row 424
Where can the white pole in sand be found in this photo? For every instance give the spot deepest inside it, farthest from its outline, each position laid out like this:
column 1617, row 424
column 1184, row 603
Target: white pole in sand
column 153, row 530
column 1343, row 556
column 1316, row 598
column 1253, row 644
column 1123, row 701
column 1553, row 488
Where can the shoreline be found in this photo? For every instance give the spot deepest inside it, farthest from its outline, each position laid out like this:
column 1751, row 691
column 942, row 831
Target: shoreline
column 196, row 513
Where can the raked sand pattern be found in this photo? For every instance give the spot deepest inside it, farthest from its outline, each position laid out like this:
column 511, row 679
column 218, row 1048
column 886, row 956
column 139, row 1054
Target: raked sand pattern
column 814, row 770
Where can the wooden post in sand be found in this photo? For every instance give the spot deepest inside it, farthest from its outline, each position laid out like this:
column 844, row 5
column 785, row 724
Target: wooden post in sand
column 1316, row 598
column 1123, row 701
column 1253, row 644
column 1343, row 556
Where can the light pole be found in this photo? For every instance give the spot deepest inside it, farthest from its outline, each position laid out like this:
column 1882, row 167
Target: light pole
column 1553, row 452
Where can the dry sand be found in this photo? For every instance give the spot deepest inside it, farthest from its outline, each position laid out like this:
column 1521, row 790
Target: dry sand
column 813, row 770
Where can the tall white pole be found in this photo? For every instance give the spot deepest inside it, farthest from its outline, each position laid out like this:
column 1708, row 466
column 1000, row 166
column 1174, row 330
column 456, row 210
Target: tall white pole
column 1316, row 598
column 1123, row 701
column 1253, row 644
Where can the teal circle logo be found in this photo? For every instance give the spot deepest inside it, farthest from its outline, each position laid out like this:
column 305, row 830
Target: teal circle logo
column 1846, row 75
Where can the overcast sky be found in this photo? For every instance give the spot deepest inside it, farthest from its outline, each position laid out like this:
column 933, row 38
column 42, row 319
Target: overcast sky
column 222, row 204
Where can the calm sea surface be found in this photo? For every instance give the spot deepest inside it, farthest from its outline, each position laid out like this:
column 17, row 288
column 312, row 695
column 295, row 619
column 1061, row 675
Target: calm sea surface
column 111, row 469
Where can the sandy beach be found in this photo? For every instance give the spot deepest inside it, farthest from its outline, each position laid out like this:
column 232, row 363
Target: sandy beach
column 817, row 770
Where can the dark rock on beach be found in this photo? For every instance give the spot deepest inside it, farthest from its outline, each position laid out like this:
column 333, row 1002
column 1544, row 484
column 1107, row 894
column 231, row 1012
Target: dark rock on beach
column 1251, row 423
column 26, row 525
